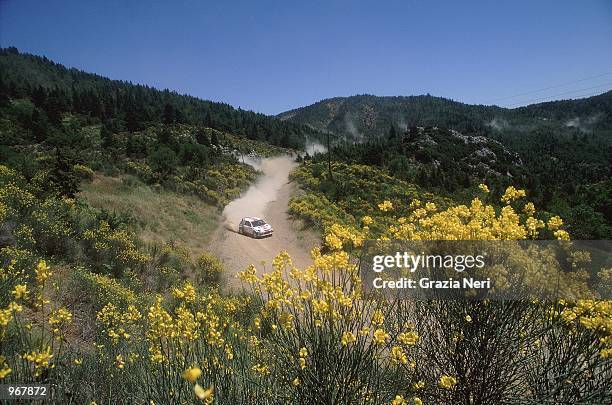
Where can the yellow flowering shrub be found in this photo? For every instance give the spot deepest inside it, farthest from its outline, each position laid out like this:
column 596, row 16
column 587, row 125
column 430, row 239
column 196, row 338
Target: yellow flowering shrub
column 333, row 319
column 108, row 245
column 28, row 359
column 303, row 335
column 209, row 269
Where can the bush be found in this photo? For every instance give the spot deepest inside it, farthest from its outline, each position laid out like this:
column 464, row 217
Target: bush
column 209, row 269
column 163, row 160
column 83, row 172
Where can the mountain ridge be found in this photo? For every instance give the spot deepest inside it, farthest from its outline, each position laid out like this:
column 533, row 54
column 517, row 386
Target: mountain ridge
column 367, row 116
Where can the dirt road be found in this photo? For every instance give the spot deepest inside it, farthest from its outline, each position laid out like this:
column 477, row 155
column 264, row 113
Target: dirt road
column 268, row 199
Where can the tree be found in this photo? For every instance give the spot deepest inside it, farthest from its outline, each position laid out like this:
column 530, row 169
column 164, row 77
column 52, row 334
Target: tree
column 133, row 119
column 208, row 120
column 392, row 132
column 63, row 176
column 214, row 139
column 163, row 160
column 165, row 137
column 202, row 137
column 169, row 114
column 106, row 135
column 55, row 105
column 38, row 125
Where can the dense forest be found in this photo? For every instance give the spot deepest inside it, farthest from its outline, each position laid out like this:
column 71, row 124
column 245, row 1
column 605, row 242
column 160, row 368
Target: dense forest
column 55, row 89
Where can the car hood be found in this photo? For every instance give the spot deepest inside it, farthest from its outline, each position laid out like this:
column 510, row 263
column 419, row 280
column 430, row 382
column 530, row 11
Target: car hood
column 263, row 228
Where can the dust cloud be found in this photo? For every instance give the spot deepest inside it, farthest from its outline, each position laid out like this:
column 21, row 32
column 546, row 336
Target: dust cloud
column 584, row 124
column 499, row 124
column 314, row 147
column 253, row 202
column 352, row 128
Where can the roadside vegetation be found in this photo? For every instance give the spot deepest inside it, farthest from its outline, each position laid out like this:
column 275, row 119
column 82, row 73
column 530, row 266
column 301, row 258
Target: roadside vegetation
column 301, row 335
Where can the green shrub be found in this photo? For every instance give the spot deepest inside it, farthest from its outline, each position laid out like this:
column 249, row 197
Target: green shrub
column 209, row 269
column 83, row 172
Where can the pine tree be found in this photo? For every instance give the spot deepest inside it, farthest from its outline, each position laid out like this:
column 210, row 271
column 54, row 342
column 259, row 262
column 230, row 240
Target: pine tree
column 106, row 135
column 214, row 139
column 62, row 175
column 202, row 138
column 169, row 116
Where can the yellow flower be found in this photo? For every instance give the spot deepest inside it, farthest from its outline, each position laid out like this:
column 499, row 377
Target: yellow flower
column 378, row 318
column 399, row 400
column 385, row 206
column 380, row 336
column 60, row 316
column 417, row 401
column 408, row 338
column 78, row 362
column 554, row 223
column 204, row 394
column 483, row 187
column 447, row 382
column 20, row 291
column 418, row 385
column 192, row 374
column 333, row 241
column 187, row 294
column 119, row 362
column 367, row 220
column 261, row 369
column 295, row 382
column 398, row 355
column 39, row 359
column 303, row 352
column 512, row 194
column 4, row 371
column 468, row 318
column 43, row 272
column 347, row 338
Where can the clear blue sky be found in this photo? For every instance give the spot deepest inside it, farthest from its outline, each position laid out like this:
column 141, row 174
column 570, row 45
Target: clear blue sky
column 270, row 56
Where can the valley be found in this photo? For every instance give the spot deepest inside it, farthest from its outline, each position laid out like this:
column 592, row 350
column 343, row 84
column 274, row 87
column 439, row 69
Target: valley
column 124, row 279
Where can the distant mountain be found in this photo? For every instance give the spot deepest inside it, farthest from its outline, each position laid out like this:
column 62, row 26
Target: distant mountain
column 365, row 116
column 129, row 106
column 561, row 151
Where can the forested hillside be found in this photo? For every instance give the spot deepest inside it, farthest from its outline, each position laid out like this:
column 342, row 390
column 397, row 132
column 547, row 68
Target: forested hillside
column 366, row 116
column 55, row 89
column 560, row 152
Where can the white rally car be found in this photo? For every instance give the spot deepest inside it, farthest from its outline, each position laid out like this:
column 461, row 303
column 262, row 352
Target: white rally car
column 255, row 227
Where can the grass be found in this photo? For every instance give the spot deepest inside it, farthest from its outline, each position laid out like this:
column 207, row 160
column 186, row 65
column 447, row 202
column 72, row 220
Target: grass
column 162, row 216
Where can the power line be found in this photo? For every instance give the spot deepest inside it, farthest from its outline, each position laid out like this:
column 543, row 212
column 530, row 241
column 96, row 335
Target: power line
column 549, row 87
column 596, row 93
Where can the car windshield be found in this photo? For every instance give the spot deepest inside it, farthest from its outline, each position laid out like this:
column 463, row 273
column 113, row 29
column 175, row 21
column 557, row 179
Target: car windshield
column 259, row 222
